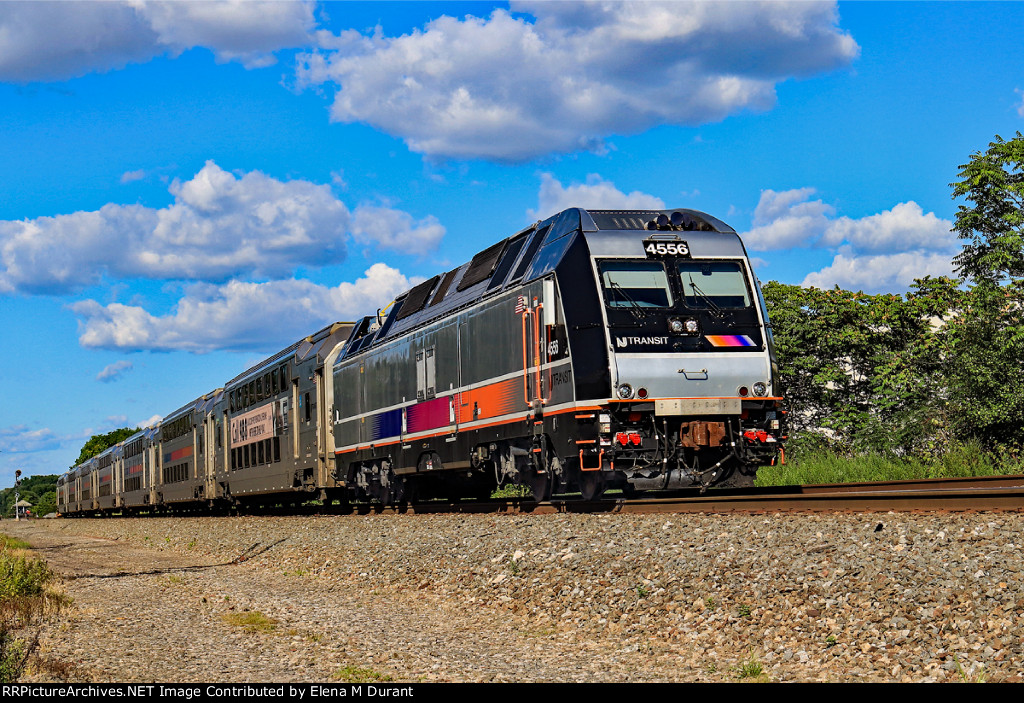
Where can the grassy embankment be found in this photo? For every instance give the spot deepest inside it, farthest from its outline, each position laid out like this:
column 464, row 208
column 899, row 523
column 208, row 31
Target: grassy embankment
column 825, row 467
column 24, row 602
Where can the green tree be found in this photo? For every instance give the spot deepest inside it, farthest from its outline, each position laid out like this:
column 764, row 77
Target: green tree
column 98, row 442
column 987, row 354
column 940, row 366
column 992, row 224
column 864, row 372
column 40, row 491
column 986, row 365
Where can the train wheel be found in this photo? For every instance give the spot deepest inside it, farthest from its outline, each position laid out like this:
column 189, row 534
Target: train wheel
column 539, row 485
column 399, row 490
column 592, row 485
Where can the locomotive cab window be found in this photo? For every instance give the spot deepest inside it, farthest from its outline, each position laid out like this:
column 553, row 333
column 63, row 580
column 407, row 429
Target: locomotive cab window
column 629, row 284
column 714, row 284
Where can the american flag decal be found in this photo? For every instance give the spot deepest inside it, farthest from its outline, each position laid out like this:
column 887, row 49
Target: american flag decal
column 520, row 304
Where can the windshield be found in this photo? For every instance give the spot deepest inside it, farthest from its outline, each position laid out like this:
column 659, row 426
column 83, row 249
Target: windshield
column 715, row 284
column 635, row 284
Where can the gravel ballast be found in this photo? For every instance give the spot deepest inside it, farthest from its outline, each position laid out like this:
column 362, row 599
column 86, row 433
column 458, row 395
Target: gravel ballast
column 866, row 597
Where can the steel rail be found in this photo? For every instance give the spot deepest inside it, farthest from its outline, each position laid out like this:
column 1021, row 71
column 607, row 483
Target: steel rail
column 985, row 493
column 980, row 493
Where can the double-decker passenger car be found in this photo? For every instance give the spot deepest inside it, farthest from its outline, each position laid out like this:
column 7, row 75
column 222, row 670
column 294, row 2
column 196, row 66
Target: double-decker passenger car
column 594, row 349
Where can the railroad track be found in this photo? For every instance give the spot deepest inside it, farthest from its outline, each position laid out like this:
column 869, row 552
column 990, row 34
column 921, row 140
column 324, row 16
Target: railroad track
column 980, row 493
column 989, row 493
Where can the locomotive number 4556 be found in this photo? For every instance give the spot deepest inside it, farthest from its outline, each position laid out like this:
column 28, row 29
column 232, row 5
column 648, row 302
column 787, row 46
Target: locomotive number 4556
column 655, row 248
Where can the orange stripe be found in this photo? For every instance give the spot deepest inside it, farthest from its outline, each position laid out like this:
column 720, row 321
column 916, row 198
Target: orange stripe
column 447, row 432
column 722, row 397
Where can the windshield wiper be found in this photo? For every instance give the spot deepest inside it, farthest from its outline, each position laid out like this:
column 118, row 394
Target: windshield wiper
column 715, row 310
column 634, row 307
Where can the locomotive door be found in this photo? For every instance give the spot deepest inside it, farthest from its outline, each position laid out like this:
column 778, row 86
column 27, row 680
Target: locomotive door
column 459, row 399
column 534, row 337
column 307, row 419
column 210, row 454
column 324, row 422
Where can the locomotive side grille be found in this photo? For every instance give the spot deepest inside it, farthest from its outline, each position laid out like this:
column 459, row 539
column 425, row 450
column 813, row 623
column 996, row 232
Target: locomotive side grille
column 445, row 285
column 482, row 266
column 417, row 298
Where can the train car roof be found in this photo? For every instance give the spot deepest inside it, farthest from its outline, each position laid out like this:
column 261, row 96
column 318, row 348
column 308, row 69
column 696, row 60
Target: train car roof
column 534, row 252
column 188, row 407
column 85, row 467
column 321, row 343
column 137, row 435
column 108, row 450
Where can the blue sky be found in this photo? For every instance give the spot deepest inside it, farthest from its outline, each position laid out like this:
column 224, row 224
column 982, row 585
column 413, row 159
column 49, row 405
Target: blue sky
column 187, row 187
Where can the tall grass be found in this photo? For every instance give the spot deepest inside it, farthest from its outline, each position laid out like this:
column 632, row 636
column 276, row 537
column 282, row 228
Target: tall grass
column 23, row 601
column 828, row 467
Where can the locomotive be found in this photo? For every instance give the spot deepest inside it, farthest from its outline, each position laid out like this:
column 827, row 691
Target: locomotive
column 593, row 350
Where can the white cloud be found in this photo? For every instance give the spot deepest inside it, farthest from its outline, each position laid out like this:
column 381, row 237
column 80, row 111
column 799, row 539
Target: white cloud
column 150, row 422
column 60, row 40
column 881, row 252
column 1020, row 108
column 219, row 226
column 880, row 273
column 238, row 315
column 395, row 230
column 787, row 219
column 506, row 89
column 19, row 439
column 596, row 193
column 114, row 371
column 904, row 228
column 129, row 176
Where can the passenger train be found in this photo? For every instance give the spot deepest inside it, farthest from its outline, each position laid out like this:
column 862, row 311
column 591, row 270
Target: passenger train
column 593, row 350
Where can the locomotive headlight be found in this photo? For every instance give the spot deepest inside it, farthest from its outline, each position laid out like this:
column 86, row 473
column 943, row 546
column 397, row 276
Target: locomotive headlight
column 760, row 389
column 625, row 391
column 683, row 325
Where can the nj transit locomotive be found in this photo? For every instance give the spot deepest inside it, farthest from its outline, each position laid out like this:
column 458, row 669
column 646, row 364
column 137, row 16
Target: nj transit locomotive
column 592, row 350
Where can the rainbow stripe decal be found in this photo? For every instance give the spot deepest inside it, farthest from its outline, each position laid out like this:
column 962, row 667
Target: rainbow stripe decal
column 730, row 340
column 492, row 400
column 429, row 415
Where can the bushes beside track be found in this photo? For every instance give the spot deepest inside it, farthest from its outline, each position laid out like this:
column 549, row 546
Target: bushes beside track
column 24, row 601
column 823, row 466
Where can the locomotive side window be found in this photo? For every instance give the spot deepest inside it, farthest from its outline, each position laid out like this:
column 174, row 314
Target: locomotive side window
column 635, row 284
column 714, row 284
